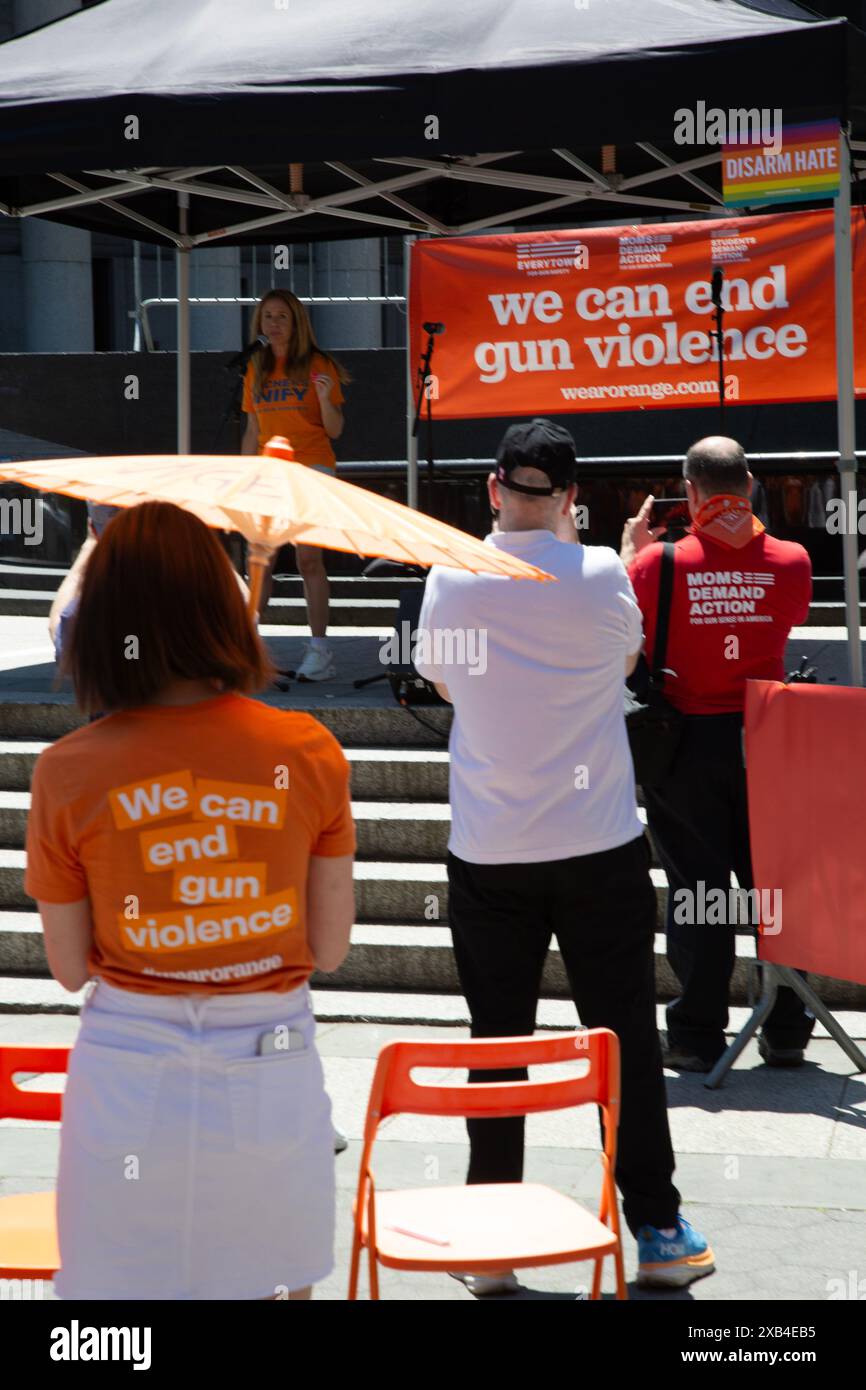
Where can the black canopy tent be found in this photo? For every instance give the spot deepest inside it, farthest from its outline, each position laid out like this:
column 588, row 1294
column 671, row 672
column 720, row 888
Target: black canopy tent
column 391, row 98
column 167, row 121
column 212, row 80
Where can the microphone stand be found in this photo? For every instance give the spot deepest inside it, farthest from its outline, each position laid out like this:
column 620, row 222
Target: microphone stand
column 238, row 365
column 718, row 334
column 423, row 378
column 233, row 406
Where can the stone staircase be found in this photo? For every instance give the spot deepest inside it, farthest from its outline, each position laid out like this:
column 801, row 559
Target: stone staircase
column 26, row 591
column 401, row 943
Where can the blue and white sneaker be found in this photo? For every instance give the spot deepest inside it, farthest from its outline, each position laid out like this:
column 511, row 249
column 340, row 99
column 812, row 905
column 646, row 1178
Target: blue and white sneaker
column 672, row 1261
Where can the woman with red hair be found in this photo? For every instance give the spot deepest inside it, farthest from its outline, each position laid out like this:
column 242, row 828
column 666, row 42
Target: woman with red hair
column 191, row 852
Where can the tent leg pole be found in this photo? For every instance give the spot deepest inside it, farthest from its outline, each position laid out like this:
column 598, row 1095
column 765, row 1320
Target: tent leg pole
column 761, row 1011
column 183, row 359
column 822, row 1013
column 845, row 409
column 411, row 437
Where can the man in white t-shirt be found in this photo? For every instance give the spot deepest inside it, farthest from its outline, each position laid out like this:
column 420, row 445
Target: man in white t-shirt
column 545, row 835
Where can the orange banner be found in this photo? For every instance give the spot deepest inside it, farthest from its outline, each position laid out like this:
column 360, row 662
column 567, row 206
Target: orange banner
column 618, row 318
column 808, row 824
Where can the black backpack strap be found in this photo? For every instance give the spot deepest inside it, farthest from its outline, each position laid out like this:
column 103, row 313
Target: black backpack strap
column 666, row 588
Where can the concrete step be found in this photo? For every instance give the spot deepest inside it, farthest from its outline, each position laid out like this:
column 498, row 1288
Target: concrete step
column 390, row 774
column 375, row 613
column 17, row 760
column 384, row 956
column 283, row 610
column 48, row 578
column 414, row 830
column 33, row 577
column 410, row 891
column 396, row 962
column 378, row 774
column 830, row 614
column 32, row 717
column 385, row 829
column 385, row 891
column 350, row 608
column 14, row 809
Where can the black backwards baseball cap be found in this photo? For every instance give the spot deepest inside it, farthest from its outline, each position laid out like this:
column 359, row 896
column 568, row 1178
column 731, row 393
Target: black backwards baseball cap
column 541, row 444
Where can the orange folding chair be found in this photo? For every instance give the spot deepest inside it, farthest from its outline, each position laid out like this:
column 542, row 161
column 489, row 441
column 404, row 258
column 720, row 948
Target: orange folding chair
column 28, row 1226
column 489, row 1227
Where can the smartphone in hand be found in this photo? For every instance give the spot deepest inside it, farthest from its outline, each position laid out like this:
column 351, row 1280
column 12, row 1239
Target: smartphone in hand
column 671, row 513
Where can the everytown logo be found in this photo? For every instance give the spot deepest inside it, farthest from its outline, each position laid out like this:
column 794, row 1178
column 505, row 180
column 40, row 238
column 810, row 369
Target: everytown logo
column 738, row 126
column 77, row 1343
column 717, row 907
column 552, row 257
column 22, row 516
column 443, row 646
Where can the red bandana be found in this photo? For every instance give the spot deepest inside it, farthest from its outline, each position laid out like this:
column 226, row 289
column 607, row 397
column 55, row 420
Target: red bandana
column 728, row 520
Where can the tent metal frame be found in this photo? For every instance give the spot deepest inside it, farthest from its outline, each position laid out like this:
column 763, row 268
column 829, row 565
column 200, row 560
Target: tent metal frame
column 283, row 207
column 552, row 196
column 772, row 976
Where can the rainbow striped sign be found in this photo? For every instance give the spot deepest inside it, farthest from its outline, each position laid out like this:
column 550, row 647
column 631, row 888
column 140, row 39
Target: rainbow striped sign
column 804, row 168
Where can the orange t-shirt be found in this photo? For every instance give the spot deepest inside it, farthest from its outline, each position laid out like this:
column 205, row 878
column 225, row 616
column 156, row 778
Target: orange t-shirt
column 190, row 828
column 290, row 406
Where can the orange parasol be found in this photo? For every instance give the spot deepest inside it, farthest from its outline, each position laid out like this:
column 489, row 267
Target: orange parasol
column 272, row 500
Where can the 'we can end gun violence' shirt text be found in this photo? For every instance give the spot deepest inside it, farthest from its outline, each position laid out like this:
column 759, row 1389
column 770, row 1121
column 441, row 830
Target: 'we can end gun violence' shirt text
column 191, row 829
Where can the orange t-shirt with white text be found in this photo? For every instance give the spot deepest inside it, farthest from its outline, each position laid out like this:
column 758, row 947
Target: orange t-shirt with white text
column 287, row 405
column 190, row 828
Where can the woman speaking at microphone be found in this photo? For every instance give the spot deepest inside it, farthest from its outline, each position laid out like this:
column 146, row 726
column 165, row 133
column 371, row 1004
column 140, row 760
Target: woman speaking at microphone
column 292, row 388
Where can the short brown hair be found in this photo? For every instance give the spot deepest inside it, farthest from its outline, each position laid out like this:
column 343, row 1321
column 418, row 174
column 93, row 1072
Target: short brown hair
column 160, row 576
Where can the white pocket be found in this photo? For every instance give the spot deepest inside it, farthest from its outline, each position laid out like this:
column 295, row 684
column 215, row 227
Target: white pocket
column 273, row 1101
column 110, row 1098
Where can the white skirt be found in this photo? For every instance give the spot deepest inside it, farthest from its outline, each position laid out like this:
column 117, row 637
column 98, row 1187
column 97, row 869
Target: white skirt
column 190, row 1166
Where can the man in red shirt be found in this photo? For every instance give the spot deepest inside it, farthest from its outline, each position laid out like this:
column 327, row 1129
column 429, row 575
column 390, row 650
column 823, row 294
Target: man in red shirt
column 737, row 592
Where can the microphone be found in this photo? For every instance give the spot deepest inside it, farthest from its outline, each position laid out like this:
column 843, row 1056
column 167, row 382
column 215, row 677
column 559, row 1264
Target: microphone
column 716, row 291
column 433, row 327
column 241, row 359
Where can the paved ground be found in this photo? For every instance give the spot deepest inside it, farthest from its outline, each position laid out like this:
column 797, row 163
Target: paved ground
column 772, row 1167
column 27, row 661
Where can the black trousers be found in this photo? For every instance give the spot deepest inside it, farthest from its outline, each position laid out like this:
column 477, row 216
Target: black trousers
column 699, row 821
column 602, row 909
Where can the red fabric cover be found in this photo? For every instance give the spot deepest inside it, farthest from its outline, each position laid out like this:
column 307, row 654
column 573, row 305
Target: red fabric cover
column 805, row 746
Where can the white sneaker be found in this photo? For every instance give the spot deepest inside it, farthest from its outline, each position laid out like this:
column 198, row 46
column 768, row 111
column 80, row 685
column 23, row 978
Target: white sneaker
column 317, row 665
column 486, row 1285
column 341, row 1143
